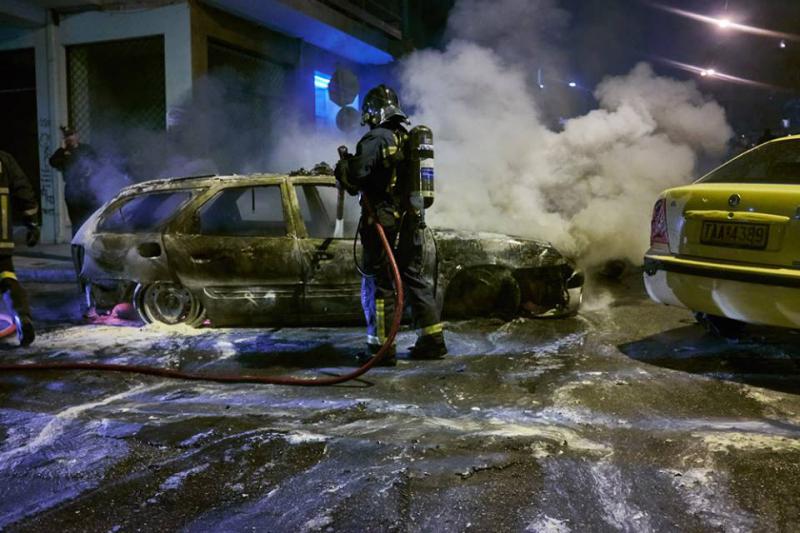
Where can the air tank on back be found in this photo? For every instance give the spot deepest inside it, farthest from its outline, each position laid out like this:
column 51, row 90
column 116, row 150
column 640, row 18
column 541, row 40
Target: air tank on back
column 421, row 167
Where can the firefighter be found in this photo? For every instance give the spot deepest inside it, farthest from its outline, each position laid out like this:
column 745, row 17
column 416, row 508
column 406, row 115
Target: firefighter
column 77, row 163
column 379, row 171
column 16, row 193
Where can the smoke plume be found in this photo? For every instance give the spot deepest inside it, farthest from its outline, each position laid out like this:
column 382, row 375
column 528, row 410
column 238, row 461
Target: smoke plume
column 504, row 161
column 588, row 188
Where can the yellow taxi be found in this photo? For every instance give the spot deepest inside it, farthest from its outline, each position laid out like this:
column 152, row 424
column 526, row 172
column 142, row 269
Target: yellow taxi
column 728, row 246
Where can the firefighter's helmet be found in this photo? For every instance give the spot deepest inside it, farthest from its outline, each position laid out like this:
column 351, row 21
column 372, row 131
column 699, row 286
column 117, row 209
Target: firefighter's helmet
column 380, row 105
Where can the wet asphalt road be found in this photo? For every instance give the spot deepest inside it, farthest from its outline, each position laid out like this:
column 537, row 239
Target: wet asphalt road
column 625, row 418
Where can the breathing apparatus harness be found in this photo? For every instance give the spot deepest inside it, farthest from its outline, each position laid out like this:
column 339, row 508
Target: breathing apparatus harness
column 416, row 182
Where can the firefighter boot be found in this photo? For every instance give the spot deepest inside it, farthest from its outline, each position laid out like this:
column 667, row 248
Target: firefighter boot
column 429, row 347
column 389, row 359
column 25, row 330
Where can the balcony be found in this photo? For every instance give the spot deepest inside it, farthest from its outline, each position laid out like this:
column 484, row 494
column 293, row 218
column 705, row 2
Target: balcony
column 385, row 15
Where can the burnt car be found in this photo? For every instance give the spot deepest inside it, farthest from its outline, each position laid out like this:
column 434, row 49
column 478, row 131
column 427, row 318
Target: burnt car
column 259, row 249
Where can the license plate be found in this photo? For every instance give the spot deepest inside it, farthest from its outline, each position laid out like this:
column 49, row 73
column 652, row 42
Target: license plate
column 735, row 234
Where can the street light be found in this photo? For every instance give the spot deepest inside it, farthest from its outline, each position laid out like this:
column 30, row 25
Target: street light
column 573, row 84
column 713, row 73
column 724, row 23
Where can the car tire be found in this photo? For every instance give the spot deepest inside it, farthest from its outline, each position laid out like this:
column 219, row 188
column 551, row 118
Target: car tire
column 720, row 326
column 168, row 303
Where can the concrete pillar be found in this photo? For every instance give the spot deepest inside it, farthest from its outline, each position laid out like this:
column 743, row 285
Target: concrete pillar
column 178, row 59
column 52, row 111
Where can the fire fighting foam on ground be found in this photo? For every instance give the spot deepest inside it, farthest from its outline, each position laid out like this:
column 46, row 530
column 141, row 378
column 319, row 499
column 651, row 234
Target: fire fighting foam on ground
column 624, row 418
column 588, row 188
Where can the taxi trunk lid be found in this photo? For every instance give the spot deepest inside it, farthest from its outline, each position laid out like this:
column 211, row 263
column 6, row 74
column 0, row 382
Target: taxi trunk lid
column 755, row 224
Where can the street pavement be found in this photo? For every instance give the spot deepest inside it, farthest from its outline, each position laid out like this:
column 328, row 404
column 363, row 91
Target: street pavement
column 44, row 263
column 628, row 417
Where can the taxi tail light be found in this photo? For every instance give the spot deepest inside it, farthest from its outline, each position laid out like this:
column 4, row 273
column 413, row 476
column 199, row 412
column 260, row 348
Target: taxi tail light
column 658, row 224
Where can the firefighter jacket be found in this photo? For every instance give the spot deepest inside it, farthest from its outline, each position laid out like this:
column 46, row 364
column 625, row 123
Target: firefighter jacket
column 378, row 165
column 16, row 193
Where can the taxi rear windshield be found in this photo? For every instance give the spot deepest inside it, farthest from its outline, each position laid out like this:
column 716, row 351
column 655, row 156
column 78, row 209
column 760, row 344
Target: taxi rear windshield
column 777, row 162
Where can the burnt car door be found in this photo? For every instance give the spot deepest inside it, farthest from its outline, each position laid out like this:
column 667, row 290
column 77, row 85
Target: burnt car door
column 332, row 282
column 238, row 252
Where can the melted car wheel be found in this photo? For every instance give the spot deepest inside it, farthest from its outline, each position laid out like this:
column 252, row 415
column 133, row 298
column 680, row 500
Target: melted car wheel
column 168, row 303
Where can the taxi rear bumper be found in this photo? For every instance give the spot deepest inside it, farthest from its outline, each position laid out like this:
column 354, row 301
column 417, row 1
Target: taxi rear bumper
column 769, row 296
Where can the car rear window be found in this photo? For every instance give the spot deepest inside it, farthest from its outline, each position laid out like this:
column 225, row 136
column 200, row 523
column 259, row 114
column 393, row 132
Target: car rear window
column 144, row 212
column 777, row 162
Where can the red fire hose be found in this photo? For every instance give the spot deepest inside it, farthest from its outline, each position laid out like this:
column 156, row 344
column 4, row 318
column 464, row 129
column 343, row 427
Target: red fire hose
column 228, row 378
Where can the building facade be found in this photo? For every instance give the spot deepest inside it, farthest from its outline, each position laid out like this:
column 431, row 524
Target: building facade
column 148, row 77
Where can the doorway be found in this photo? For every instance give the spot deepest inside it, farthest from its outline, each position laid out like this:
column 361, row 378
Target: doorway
column 19, row 133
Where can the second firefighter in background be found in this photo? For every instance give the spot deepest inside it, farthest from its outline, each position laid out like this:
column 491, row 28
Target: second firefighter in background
column 381, row 170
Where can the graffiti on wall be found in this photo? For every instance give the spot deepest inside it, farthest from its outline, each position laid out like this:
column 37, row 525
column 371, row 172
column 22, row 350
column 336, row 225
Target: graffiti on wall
column 46, row 172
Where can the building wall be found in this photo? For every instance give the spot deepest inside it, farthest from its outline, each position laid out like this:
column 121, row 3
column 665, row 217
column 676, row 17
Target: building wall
column 186, row 28
column 300, row 56
column 49, row 42
column 46, row 96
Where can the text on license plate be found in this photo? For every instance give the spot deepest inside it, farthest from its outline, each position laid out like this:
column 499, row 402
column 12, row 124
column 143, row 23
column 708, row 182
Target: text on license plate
column 735, row 234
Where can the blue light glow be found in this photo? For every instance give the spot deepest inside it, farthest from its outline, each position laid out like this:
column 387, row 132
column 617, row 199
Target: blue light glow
column 324, row 108
column 321, row 81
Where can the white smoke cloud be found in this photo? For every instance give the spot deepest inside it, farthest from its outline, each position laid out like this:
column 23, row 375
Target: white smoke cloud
column 526, row 33
column 301, row 145
column 589, row 188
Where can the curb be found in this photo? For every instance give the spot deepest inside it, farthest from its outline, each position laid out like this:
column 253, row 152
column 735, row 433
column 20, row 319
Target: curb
column 46, row 275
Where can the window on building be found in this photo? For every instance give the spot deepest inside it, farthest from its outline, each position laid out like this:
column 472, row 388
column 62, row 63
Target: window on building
column 244, row 211
column 144, row 212
column 116, row 85
column 324, row 108
column 242, row 88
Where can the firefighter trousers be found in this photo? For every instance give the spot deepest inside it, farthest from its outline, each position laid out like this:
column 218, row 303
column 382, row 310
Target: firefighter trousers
column 377, row 288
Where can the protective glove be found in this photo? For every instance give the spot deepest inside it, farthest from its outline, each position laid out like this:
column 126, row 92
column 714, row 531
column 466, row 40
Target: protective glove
column 33, row 234
column 341, row 174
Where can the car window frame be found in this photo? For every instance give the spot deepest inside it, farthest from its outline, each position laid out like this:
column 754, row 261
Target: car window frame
column 706, row 178
column 191, row 224
column 295, row 201
column 194, row 193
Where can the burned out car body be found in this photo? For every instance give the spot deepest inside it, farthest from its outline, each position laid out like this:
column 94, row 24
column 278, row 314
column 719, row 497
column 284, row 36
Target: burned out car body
column 259, row 250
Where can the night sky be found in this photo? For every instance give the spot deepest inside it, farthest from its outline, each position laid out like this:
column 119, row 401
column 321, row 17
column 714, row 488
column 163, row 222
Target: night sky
column 607, row 37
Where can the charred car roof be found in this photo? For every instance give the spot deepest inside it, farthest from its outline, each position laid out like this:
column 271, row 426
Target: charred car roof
column 228, row 180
